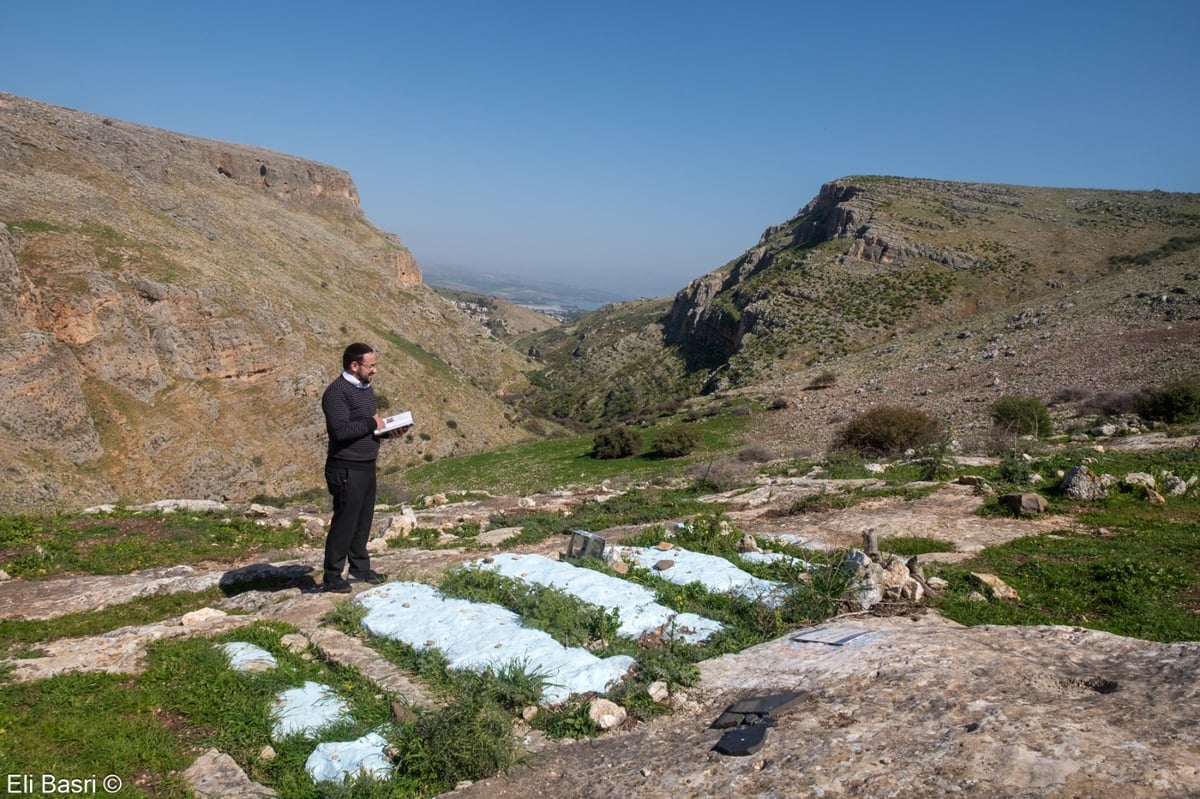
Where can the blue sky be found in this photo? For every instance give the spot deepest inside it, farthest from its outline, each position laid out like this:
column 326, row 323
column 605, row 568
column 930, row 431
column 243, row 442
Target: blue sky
column 635, row 145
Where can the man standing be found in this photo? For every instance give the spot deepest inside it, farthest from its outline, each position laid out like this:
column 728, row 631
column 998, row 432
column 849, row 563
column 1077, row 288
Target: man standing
column 351, row 419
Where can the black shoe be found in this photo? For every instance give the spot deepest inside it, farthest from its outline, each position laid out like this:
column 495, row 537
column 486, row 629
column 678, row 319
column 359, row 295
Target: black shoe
column 373, row 577
column 336, row 585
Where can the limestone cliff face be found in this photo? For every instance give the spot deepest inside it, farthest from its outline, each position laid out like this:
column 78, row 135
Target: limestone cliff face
column 718, row 310
column 172, row 307
column 695, row 316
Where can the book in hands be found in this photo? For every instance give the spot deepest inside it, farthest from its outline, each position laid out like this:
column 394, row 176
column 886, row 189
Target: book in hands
column 390, row 423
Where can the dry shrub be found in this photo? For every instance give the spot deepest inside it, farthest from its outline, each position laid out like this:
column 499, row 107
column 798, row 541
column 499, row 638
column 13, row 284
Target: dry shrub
column 755, row 453
column 1113, row 403
column 722, row 475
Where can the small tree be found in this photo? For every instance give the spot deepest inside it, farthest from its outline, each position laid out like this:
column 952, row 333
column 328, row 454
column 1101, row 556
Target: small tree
column 674, row 442
column 616, row 442
column 1024, row 416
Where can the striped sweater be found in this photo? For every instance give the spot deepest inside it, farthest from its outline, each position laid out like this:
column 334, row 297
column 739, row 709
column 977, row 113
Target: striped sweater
column 349, row 420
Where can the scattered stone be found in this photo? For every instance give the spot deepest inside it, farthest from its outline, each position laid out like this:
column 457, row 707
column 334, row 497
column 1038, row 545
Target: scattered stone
column 1139, row 479
column 658, row 691
column 1024, row 504
column 1081, row 484
column 875, row 580
column 1176, row 486
column 606, row 714
column 748, row 543
column 663, row 565
column 998, row 588
column 1154, row 497
column 267, row 753
column 398, row 525
column 663, row 546
column 216, row 775
column 257, row 511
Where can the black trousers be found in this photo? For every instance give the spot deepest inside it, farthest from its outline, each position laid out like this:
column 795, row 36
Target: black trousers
column 353, row 492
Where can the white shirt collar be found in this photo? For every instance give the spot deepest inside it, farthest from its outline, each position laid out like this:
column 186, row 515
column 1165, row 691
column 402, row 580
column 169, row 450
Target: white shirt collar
column 354, row 381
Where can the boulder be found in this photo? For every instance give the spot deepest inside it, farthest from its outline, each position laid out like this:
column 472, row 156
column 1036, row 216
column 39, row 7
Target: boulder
column 1082, row 484
column 1023, row 504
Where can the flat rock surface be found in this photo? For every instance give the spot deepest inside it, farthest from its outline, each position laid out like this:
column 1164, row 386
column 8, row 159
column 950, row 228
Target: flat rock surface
column 914, row 708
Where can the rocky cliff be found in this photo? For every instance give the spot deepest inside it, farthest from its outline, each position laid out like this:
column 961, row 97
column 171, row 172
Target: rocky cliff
column 869, row 257
column 173, row 307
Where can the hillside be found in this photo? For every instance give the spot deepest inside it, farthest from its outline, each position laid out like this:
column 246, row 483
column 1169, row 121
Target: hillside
column 505, row 320
column 173, row 307
column 916, row 291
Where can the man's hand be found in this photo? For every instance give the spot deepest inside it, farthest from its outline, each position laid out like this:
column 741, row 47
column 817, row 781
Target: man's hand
column 397, row 433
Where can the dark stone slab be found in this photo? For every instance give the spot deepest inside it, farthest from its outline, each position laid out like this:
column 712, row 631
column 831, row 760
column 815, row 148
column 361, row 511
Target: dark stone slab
column 728, row 719
column 762, row 705
column 741, row 741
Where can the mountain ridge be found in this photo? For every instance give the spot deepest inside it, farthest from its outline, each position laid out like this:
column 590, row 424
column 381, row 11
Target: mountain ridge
column 174, row 306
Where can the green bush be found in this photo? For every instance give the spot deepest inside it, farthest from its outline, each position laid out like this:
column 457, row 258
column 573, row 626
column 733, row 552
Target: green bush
column 1026, row 416
column 1015, row 470
column 616, row 442
column 674, row 442
column 1178, row 401
column 888, row 430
